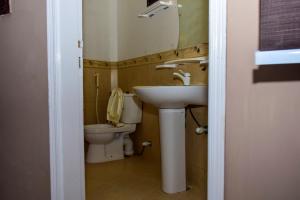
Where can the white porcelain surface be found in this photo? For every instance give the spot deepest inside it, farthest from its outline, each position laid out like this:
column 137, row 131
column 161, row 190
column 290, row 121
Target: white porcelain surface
column 106, row 143
column 103, row 129
column 174, row 97
column 93, row 135
column 171, row 100
column 172, row 141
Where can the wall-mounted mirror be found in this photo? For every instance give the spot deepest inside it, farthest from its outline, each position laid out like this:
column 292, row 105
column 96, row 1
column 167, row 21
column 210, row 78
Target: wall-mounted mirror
column 193, row 22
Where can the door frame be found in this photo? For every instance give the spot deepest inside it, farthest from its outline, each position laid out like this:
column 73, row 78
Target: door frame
column 62, row 186
column 65, row 99
column 217, row 98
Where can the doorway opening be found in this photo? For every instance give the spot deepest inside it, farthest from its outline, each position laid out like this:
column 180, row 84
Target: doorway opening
column 127, row 44
column 128, row 67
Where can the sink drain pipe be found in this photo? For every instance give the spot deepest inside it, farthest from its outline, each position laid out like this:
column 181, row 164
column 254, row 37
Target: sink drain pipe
column 144, row 145
column 200, row 129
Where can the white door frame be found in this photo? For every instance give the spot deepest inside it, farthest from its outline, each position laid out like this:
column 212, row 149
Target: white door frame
column 217, row 98
column 66, row 117
column 64, row 30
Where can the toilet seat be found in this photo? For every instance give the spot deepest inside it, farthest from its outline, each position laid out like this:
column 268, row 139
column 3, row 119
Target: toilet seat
column 107, row 128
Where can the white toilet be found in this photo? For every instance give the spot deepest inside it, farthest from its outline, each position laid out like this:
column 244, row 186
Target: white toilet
column 108, row 143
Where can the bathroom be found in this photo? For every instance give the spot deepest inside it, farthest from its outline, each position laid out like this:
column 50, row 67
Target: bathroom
column 123, row 46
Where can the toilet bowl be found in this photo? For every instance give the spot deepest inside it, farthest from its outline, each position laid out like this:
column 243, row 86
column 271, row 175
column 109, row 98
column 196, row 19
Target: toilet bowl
column 94, row 134
column 108, row 143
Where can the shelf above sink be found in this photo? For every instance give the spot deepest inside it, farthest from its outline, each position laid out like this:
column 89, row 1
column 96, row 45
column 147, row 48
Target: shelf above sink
column 156, row 8
column 196, row 60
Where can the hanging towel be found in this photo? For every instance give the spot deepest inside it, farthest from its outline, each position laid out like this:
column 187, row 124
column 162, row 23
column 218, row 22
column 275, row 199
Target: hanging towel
column 115, row 106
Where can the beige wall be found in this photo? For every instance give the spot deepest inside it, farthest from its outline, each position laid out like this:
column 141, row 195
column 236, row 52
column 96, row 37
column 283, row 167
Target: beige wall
column 24, row 143
column 262, row 121
column 143, row 36
column 91, row 68
column 100, row 30
column 113, row 31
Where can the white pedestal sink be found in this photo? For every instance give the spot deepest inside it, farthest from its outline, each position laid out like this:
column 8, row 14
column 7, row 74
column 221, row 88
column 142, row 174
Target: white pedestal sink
column 171, row 101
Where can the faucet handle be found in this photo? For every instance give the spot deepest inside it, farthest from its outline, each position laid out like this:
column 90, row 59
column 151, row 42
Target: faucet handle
column 185, row 74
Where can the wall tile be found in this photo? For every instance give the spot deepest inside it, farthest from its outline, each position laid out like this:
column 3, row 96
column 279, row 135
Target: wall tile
column 142, row 72
column 90, row 69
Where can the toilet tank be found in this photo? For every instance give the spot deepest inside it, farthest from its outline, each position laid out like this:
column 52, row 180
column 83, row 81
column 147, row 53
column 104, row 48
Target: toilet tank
column 132, row 110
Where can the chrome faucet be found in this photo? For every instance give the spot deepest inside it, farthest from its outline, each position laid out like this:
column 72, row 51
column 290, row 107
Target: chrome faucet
column 184, row 76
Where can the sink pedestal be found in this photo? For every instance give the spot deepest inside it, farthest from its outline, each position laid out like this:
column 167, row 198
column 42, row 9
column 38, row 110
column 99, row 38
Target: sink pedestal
column 172, row 139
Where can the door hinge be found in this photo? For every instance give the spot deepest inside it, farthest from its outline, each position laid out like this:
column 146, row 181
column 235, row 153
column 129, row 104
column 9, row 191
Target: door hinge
column 80, row 44
column 79, row 62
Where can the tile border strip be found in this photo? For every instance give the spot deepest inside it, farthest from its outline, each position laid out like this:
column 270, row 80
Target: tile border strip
column 196, row 51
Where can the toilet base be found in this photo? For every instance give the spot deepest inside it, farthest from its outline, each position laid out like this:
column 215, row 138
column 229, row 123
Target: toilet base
column 99, row 153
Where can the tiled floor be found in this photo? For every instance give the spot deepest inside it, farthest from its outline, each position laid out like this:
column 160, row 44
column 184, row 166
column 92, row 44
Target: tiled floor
column 130, row 179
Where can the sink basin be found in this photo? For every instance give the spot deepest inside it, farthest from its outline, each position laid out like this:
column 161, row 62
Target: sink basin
column 173, row 97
